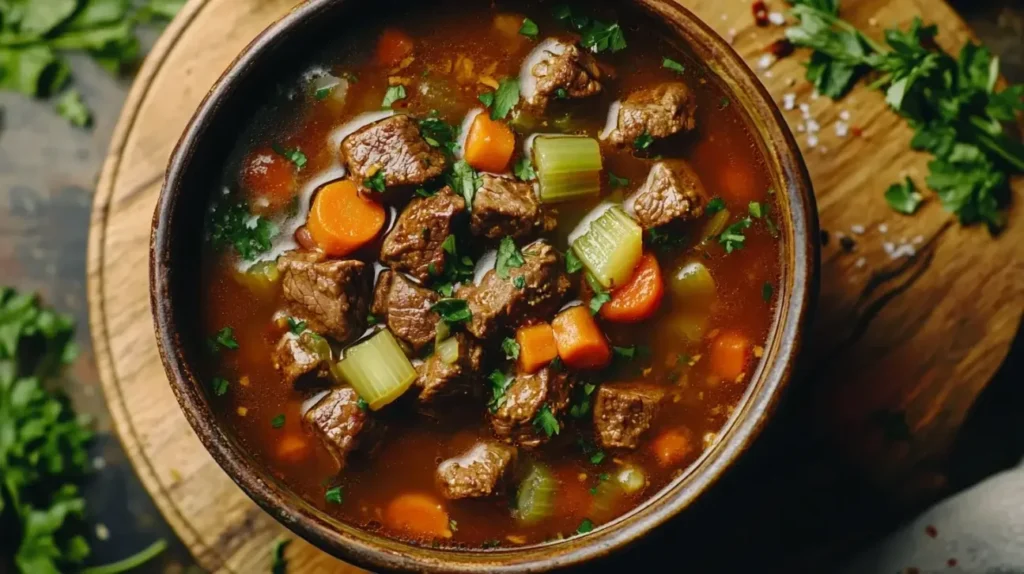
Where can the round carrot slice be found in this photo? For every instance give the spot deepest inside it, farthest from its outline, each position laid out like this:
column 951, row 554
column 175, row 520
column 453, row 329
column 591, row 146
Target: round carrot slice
column 269, row 180
column 342, row 219
column 640, row 298
column 418, row 514
column 394, row 45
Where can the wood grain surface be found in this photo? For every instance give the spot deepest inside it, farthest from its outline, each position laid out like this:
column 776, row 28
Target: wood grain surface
column 900, row 350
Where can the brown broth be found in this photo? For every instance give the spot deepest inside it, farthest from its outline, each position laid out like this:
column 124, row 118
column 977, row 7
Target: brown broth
column 721, row 150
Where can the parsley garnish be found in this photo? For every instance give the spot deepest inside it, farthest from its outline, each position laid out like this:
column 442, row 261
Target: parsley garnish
column 394, row 94
column 453, row 525
column 372, row 320
column 524, row 169
column 643, row 141
column 362, row 404
column 572, row 262
column 581, row 402
column 519, row 282
column 715, row 205
column 766, row 291
column 377, row 182
column 465, row 180
column 903, row 197
column 439, row 133
column 754, row 208
column 627, row 353
column 280, row 563
column 219, row 386
column 529, row 29
column 226, row 338
column 511, row 348
column 665, row 239
column 487, row 99
column 323, row 92
column 601, row 36
column 673, row 65
column 232, row 224
column 452, row 311
column 296, row 326
column 732, row 237
column 601, row 296
column 499, row 384
column 586, row 526
column 723, row 103
column 502, row 100
column 509, row 257
column 617, row 181
column 334, row 495
column 597, row 457
column 293, row 155
column 546, row 422
column 71, row 107
column 277, row 422
column 490, row 544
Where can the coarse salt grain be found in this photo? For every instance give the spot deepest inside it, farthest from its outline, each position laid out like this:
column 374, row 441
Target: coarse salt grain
column 765, row 61
column 883, row 228
column 813, row 127
column 805, row 109
column 889, row 247
column 919, row 239
column 777, row 18
column 822, row 150
column 842, row 128
column 861, row 262
column 844, row 115
column 768, row 74
column 812, row 140
column 788, row 101
column 905, row 250
column 858, row 229
column 800, row 128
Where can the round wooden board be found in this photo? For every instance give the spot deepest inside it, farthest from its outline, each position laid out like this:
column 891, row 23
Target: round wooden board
column 915, row 338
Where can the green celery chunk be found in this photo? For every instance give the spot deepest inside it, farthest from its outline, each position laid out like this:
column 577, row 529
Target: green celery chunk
column 535, row 499
column 568, row 167
column 611, row 248
column 377, row 369
column 693, row 285
column 448, row 350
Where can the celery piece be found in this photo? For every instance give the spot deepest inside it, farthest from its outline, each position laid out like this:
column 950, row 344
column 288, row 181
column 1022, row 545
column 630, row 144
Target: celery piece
column 693, row 285
column 715, row 225
column 448, row 350
column 377, row 369
column 535, row 499
column 606, row 497
column 441, row 332
column 611, row 248
column 631, row 479
column 568, row 167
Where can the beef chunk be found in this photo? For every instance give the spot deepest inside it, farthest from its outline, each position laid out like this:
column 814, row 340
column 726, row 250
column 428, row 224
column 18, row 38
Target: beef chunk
column 392, row 145
column 563, row 70
column 405, row 308
column 661, row 111
column 524, row 398
column 340, row 424
column 414, row 245
column 499, row 305
column 624, row 411
column 672, row 192
column 504, row 206
column 439, row 381
column 478, row 472
column 299, row 355
column 332, row 297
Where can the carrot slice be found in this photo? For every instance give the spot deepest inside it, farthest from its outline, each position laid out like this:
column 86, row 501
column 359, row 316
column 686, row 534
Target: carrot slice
column 268, row 179
column 537, row 347
column 293, row 448
column 342, row 219
column 393, row 46
column 418, row 514
column 489, row 145
column 672, row 446
column 730, row 354
column 579, row 340
column 639, row 298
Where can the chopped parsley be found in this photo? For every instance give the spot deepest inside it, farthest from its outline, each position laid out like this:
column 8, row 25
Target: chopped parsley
column 226, row 338
column 643, row 141
column 581, row 401
column 546, row 422
column 586, row 526
column 602, row 36
column 372, row 320
column 529, row 29
column 490, row 544
column 509, row 257
column 597, row 457
column 362, row 404
column 465, row 180
column 627, row 353
column 453, row 525
column 394, row 94
column 767, row 291
column 603, row 477
column 723, row 103
column 71, row 107
column 572, row 262
column 903, row 197
column 524, row 169
column 561, row 94
column 219, row 386
column 439, row 133
column 277, row 422
column 732, row 237
column 499, row 384
column 519, row 282
column 502, row 100
column 617, row 181
column 322, row 92
column 600, row 297
column 487, row 99
column 377, row 182
column 293, row 155
column 296, row 326
column 590, row 450
column 232, row 225
column 334, row 495
column 673, row 65
column 511, row 348
column 452, row 311
column 664, row 239
column 754, row 208
column 715, row 205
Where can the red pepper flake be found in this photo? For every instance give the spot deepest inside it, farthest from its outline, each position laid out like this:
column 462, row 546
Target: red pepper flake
column 857, row 131
column 760, row 10
column 951, row 562
column 931, row 531
column 780, row 48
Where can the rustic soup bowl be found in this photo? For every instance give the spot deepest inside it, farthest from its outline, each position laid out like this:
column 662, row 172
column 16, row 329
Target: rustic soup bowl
column 175, row 285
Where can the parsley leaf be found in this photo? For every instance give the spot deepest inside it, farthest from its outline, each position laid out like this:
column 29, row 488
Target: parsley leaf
column 767, row 290
column 524, row 169
column 278, row 421
column 377, row 182
column 394, row 94
column 627, row 353
column 715, row 205
column 586, row 526
column 504, row 98
column 226, row 338
column 439, row 133
column 231, row 224
column 673, row 65
column 754, row 208
column 529, row 29
column 601, row 36
column 362, row 404
column 280, row 563
column 572, row 262
column 334, row 495
column 597, row 457
column 487, row 99
column 600, row 297
column 293, row 155
column 452, row 311
column 643, row 141
column 509, row 257
column 617, row 181
column 519, row 282
column 499, row 384
column 465, row 180
column 71, row 107
column 732, row 237
column 903, row 197
column 580, row 406
column 511, row 348
column 220, row 386
column 296, row 326
column 546, row 422
column 665, row 239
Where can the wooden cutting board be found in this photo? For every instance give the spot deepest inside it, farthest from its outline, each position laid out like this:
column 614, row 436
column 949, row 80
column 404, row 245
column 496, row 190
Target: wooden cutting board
column 900, row 350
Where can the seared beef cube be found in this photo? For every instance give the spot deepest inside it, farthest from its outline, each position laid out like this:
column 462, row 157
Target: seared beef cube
column 535, row 290
column 624, row 411
column 332, row 297
column 524, row 399
column 478, row 472
column 299, row 355
column 562, row 70
column 661, row 111
column 506, row 207
column 394, row 146
column 414, row 245
column 439, row 381
column 672, row 192
column 405, row 308
column 341, row 424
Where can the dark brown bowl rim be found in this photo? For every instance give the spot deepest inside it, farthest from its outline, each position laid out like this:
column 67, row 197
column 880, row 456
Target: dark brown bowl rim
column 801, row 261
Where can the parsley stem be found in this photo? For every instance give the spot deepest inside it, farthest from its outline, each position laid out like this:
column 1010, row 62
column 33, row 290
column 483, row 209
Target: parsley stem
column 881, row 82
column 132, row 562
